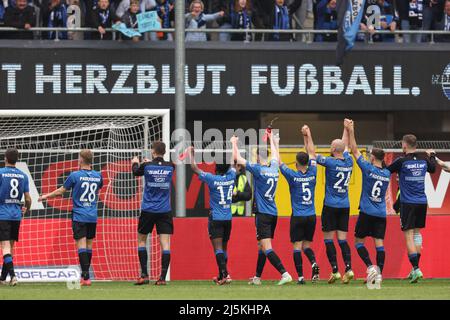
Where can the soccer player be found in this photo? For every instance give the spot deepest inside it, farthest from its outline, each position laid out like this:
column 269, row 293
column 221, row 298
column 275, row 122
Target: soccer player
column 372, row 216
column 85, row 184
column 156, row 209
column 265, row 175
column 336, row 209
column 302, row 184
column 221, row 187
column 13, row 186
column 411, row 170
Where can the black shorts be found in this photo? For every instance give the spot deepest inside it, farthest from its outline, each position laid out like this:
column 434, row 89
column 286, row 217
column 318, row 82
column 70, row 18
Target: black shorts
column 163, row 222
column 302, row 228
column 9, row 230
column 219, row 229
column 265, row 226
column 84, row 230
column 412, row 216
column 335, row 219
column 370, row 226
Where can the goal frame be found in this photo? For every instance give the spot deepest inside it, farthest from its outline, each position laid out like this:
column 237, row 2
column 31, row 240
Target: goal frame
column 164, row 113
column 143, row 113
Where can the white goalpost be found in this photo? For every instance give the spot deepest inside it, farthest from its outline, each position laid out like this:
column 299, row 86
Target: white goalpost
column 48, row 142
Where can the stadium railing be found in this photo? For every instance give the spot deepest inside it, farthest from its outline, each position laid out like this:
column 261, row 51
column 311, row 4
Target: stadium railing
column 309, row 32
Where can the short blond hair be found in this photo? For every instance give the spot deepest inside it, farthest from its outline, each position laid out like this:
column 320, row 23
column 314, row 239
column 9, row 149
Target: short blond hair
column 87, row 156
column 191, row 6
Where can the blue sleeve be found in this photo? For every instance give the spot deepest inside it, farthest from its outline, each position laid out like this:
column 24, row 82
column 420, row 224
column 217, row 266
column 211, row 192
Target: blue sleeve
column 206, row 177
column 231, row 174
column 312, row 166
column 362, row 163
column 254, row 169
column 70, row 181
column 324, row 161
column 287, row 172
column 26, row 185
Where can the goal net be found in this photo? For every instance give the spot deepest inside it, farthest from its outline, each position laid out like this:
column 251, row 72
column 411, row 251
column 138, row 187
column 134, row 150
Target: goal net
column 49, row 143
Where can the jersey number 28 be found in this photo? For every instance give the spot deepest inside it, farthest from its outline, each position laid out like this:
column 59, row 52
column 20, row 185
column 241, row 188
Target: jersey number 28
column 89, row 191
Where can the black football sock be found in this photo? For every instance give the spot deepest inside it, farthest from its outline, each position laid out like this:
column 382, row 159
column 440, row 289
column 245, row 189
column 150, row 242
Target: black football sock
column 331, row 254
column 4, row 272
column 298, row 262
column 143, row 257
column 381, row 255
column 165, row 262
column 9, row 266
column 413, row 260
column 346, row 254
column 363, row 253
column 310, row 255
column 226, row 261
column 418, row 257
column 260, row 263
column 89, row 253
column 84, row 263
column 220, row 259
column 275, row 261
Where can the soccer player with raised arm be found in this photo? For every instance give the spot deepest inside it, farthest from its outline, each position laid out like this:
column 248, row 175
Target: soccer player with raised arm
column 411, row 170
column 265, row 175
column 302, row 185
column 336, row 209
column 13, row 186
column 156, row 209
column 372, row 206
column 221, row 187
column 85, row 184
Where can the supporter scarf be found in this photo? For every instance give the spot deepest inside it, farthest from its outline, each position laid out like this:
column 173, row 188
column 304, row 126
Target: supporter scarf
column 165, row 18
column 240, row 20
column 447, row 23
column 200, row 21
column 104, row 15
column 284, row 23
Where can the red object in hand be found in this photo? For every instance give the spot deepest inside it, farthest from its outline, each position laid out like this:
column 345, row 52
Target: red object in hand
column 267, row 133
column 183, row 156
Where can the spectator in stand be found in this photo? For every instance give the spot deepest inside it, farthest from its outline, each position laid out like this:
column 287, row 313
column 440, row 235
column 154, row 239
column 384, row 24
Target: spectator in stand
column 57, row 18
column 280, row 20
column 196, row 19
column 130, row 19
column 444, row 23
column 387, row 22
column 432, row 15
column 241, row 19
column 20, row 16
column 326, row 20
column 165, row 10
column 225, row 22
column 410, row 15
column 103, row 17
column 144, row 5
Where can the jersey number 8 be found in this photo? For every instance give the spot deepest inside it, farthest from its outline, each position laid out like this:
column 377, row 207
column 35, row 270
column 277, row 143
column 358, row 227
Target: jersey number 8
column 14, row 192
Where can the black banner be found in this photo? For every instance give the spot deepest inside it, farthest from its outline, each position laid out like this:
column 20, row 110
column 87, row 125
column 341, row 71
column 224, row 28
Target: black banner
column 225, row 76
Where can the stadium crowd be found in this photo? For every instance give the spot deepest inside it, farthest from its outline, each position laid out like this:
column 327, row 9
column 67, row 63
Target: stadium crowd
column 226, row 14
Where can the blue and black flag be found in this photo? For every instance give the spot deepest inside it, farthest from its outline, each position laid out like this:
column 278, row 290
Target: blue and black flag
column 350, row 13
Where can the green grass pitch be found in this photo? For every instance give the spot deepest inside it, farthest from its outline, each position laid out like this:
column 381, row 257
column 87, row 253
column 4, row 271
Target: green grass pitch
column 205, row 290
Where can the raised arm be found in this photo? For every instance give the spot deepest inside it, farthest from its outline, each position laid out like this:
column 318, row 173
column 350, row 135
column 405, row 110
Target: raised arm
column 237, row 154
column 345, row 135
column 349, row 126
column 191, row 154
column 443, row 165
column 274, row 146
column 308, row 141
